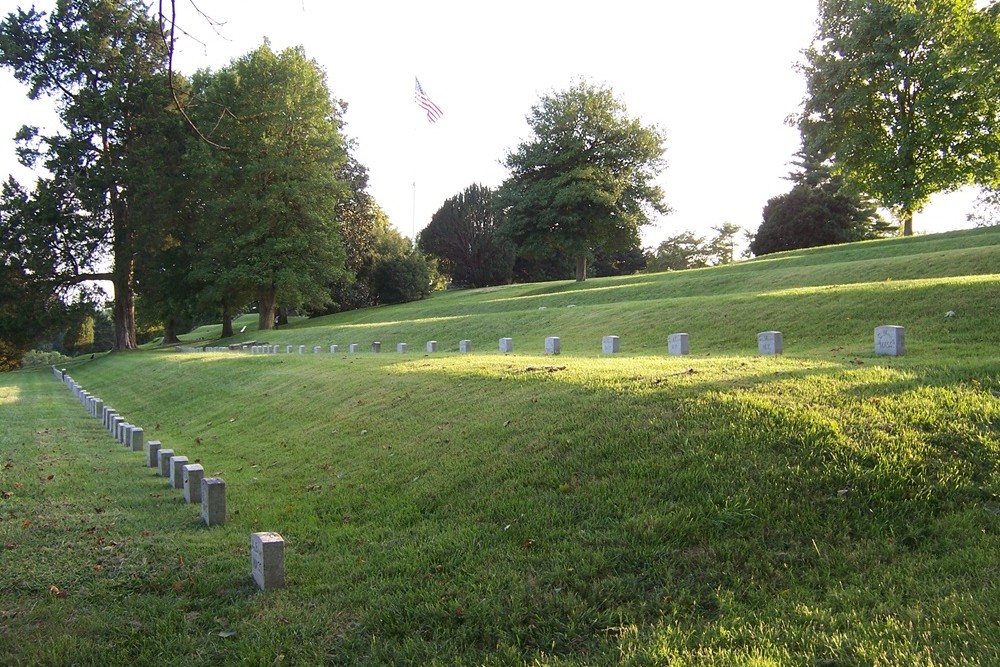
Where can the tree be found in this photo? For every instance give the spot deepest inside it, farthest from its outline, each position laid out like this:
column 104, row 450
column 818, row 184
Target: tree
column 585, row 180
column 103, row 61
column 28, row 312
column 678, row 252
column 401, row 278
column 722, row 247
column 269, row 225
column 462, row 235
column 811, row 216
column 904, row 97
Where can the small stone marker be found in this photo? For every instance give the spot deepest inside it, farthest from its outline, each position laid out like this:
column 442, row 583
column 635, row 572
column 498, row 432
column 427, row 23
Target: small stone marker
column 98, row 409
column 465, row 346
column 352, row 348
column 770, row 342
column 191, row 476
column 432, row 346
column 163, row 461
column 677, row 344
column 288, row 349
column 302, row 349
column 506, row 345
column 376, row 347
column 213, row 501
column 334, row 349
column 890, row 340
column 401, row 348
column 153, row 454
column 177, row 464
column 267, row 560
column 610, row 345
column 552, row 345
column 135, row 440
column 316, row 350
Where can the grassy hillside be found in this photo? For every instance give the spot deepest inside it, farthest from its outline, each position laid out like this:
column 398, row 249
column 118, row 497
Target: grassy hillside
column 826, row 507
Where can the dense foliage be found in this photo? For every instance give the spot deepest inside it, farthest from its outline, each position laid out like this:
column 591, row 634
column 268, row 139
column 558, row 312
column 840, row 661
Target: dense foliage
column 585, row 180
column 463, row 236
column 904, row 97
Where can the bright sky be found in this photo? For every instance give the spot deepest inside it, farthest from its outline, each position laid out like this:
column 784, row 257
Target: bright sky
column 717, row 78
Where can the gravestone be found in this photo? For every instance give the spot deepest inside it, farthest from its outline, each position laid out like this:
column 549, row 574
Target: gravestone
column 353, row 347
column 267, row 560
column 334, row 349
column 465, row 346
column 432, row 346
column 507, row 345
column 890, row 340
column 152, row 454
column 122, row 434
column 552, row 345
column 191, row 476
column 177, row 464
column 135, row 439
column 376, row 347
column 98, row 409
column 288, row 349
column 610, row 345
column 163, row 461
column 677, row 344
column 401, row 348
column 302, row 349
column 770, row 342
column 213, row 501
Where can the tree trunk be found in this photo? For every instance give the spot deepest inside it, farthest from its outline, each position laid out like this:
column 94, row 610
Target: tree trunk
column 266, row 298
column 907, row 223
column 124, row 309
column 581, row 268
column 282, row 315
column 170, row 332
column 227, row 319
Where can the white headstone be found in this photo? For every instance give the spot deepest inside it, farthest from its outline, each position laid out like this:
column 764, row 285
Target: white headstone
column 135, row 440
column 677, row 343
column 334, row 349
column 288, row 349
column 890, row 340
column 267, row 560
column 465, row 346
column 376, row 347
column 770, row 342
column 507, row 345
column 213, row 501
column 302, row 349
column 163, row 461
column 353, row 347
column 552, row 345
column 191, row 476
column 432, row 346
column 177, row 464
column 401, row 348
column 152, row 454
column 610, row 345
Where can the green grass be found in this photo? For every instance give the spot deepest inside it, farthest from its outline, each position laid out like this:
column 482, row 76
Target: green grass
column 826, row 507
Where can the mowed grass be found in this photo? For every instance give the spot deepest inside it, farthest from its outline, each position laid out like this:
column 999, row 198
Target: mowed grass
column 825, row 507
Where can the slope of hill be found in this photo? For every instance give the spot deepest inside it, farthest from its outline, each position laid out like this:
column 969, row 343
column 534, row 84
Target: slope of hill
column 823, row 507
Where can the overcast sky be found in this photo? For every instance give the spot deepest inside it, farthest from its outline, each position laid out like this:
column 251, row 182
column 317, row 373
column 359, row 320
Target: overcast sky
column 717, row 78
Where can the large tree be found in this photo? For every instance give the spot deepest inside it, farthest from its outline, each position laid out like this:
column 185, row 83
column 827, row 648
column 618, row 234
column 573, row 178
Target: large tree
column 903, row 96
column 585, row 180
column 270, row 197
column 103, row 63
column 462, row 235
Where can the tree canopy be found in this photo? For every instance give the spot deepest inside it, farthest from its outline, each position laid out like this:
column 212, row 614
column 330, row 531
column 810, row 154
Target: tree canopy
column 903, row 97
column 103, row 62
column 463, row 236
column 269, row 224
column 585, row 180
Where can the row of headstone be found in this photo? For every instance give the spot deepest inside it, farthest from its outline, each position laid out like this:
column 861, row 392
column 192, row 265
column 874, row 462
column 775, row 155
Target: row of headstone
column 209, row 492
column 267, row 550
column 889, row 340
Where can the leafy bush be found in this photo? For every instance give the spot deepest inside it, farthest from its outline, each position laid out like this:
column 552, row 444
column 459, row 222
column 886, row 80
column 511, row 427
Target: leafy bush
column 38, row 358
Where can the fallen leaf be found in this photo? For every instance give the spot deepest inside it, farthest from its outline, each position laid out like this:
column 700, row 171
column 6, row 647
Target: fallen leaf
column 228, row 632
column 56, row 591
column 6, row 494
column 178, row 586
column 11, row 545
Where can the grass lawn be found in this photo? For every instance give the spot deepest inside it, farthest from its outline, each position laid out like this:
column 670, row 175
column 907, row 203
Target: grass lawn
column 824, row 507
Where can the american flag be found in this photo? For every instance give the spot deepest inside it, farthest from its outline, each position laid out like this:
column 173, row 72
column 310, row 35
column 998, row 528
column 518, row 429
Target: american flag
column 433, row 111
